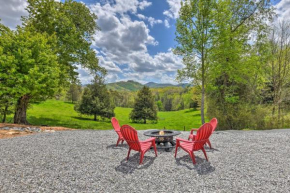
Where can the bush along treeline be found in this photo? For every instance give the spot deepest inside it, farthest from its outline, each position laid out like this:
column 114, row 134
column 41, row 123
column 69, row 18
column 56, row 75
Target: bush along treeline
column 166, row 99
column 239, row 55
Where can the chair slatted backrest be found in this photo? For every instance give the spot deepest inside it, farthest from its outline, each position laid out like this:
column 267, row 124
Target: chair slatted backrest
column 115, row 124
column 202, row 136
column 131, row 137
column 213, row 123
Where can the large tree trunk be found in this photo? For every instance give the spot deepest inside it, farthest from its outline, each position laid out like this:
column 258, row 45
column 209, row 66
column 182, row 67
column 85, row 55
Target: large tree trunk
column 144, row 121
column 95, row 117
column 21, row 108
column 4, row 114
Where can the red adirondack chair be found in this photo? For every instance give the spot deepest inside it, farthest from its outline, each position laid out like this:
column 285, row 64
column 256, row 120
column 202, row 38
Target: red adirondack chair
column 131, row 137
column 117, row 128
column 201, row 138
column 213, row 123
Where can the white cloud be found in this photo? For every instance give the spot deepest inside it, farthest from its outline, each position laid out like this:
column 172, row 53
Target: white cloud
column 144, row 4
column 123, row 43
column 174, row 6
column 153, row 21
column 140, row 16
column 11, row 12
column 283, row 10
column 166, row 23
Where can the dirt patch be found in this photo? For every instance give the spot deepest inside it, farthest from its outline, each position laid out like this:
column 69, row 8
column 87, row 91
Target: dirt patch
column 15, row 133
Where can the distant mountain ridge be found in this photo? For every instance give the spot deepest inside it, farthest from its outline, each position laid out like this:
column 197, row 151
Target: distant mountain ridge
column 131, row 85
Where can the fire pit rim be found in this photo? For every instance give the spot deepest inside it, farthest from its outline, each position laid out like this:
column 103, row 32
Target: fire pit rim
column 166, row 133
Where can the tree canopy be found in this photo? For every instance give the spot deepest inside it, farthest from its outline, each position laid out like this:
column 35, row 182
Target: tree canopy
column 29, row 67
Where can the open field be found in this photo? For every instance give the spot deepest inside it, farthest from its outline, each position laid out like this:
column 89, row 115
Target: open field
column 88, row 161
column 59, row 113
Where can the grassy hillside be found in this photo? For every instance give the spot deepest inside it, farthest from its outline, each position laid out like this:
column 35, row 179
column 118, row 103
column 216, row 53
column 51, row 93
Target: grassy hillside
column 125, row 86
column 59, row 113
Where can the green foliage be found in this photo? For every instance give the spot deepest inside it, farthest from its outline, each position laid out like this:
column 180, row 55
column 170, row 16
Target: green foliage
column 235, row 76
column 74, row 92
column 194, row 36
column 144, row 106
column 6, row 106
column 73, row 25
column 123, row 98
column 28, row 65
column 96, row 100
column 159, row 105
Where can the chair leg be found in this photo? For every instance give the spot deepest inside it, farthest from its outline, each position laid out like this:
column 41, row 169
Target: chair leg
column 128, row 153
column 141, row 157
column 204, row 154
column 192, row 157
column 122, row 141
column 118, row 142
column 176, row 148
column 154, row 146
column 208, row 142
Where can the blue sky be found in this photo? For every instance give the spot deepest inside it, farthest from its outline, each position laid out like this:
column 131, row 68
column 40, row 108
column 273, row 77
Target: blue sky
column 136, row 38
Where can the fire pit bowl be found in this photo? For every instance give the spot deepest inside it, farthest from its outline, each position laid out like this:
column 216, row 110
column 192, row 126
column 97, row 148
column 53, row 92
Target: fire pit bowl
column 164, row 138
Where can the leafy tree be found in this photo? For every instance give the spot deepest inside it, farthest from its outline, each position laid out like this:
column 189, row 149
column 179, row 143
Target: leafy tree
column 29, row 68
column 159, row 105
column 69, row 27
column 144, row 106
column 236, row 63
column 279, row 68
column 74, row 92
column 193, row 33
column 96, row 100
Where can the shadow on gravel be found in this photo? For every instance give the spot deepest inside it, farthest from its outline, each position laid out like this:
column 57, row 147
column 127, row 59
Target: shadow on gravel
column 210, row 150
column 128, row 167
column 120, row 146
column 202, row 166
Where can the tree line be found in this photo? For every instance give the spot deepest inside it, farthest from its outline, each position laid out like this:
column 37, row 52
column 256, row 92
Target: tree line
column 166, row 99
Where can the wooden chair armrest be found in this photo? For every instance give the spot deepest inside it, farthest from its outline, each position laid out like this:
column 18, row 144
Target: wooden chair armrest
column 183, row 140
column 151, row 139
column 193, row 129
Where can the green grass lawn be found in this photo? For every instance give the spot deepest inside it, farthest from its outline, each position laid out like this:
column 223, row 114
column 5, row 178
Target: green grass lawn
column 59, row 113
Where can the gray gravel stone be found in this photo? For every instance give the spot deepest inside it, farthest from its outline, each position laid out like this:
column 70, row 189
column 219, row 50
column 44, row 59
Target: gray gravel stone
column 88, row 161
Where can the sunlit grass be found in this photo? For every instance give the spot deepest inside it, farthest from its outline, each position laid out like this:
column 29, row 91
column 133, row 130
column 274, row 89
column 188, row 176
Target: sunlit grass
column 59, row 113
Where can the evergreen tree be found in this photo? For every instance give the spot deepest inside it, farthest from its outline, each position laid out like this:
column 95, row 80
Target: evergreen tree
column 144, row 106
column 96, row 100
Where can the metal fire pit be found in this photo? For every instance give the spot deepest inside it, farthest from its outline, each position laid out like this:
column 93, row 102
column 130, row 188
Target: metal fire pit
column 163, row 141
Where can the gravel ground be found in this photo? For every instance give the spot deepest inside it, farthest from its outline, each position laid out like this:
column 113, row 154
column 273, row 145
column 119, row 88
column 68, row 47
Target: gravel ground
column 88, row 161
